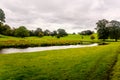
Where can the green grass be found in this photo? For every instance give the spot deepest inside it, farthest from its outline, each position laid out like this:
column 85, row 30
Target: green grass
column 7, row 41
column 116, row 70
column 91, row 63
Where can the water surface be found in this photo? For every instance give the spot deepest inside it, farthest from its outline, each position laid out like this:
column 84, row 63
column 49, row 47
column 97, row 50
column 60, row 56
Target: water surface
column 34, row 49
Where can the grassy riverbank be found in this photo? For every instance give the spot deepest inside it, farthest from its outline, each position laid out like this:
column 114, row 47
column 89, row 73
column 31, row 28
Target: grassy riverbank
column 7, row 41
column 91, row 63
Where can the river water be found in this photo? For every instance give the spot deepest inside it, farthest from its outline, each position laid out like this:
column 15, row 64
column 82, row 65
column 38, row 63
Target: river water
column 34, row 49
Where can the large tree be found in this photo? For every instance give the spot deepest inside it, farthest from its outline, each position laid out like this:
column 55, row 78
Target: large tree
column 62, row 33
column 54, row 33
column 47, row 32
column 102, row 30
column 2, row 16
column 2, row 19
column 39, row 32
column 114, row 29
column 21, row 32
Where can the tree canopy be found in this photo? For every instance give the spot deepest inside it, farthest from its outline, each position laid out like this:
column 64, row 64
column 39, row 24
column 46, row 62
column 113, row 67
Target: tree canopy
column 101, row 29
column 107, row 29
column 62, row 33
column 21, row 32
column 2, row 16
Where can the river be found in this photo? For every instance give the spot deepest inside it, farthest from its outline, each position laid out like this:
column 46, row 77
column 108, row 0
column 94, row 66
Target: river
column 34, row 49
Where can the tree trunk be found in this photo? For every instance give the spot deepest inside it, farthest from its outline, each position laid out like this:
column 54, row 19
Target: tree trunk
column 115, row 40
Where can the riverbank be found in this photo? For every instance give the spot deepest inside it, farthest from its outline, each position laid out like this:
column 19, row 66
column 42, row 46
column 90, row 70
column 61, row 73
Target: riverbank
column 91, row 63
column 14, row 42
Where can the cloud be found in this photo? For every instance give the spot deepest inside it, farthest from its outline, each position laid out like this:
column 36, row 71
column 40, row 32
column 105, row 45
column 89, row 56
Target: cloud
column 72, row 15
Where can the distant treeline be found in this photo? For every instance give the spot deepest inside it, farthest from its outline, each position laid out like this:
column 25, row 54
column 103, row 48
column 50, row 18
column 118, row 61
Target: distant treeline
column 22, row 31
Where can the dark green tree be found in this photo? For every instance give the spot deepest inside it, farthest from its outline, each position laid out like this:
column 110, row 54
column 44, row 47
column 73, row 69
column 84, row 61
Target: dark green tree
column 6, row 30
column 86, row 32
column 2, row 16
column 38, row 31
column 32, row 33
column 114, row 29
column 102, row 30
column 47, row 32
column 54, row 33
column 21, row 32
column 61, row 33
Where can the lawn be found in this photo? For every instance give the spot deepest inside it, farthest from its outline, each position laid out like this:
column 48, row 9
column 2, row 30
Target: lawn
column 90, row 63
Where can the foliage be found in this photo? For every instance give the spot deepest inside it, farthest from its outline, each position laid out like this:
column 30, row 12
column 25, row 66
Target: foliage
column 114, row 29
column 61, row 33
column 54, row 33
column 21, row 32
column 47, row 32
column 2, row 16
column 86, row 32
column 107, row 29
column 102, row 30
column 103, row 33
column 37, row 32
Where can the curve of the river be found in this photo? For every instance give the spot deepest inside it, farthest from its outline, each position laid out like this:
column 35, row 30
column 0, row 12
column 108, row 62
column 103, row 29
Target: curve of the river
column 34, row 49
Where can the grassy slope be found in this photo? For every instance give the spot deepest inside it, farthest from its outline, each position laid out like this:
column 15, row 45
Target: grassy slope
column 6, row 41
column 116, row 70
column 90, row 63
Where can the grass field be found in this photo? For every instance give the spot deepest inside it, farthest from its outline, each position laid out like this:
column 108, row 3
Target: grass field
column 116, row 70
column 7, row 41
column 91, row 63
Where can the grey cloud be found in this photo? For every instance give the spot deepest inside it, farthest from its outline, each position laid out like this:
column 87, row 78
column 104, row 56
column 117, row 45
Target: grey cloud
column 53, row 14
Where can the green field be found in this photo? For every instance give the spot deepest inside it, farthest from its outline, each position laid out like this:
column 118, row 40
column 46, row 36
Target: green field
column 6, row 41
column 91, row 63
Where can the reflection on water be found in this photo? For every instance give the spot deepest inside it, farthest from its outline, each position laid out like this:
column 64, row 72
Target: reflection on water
column 34, row 49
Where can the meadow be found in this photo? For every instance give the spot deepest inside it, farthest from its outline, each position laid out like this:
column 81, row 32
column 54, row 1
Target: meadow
column 90, row 63
column 7, row 41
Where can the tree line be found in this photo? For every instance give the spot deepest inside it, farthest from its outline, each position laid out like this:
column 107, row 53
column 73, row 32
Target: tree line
column 105, row 29
column 22, row 31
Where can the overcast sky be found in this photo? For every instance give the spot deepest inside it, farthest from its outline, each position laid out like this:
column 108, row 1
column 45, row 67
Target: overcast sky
column 72, row 15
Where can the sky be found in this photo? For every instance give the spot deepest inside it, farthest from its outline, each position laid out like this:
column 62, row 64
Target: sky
column 71, row 15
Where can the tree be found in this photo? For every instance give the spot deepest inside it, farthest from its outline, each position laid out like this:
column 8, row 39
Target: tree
column 47, row 32
column 6, row 30
column 32, row 33
column 103, row 33
column 62, row 33
column 2, row 16
column 114, row 29
column 54, row 33
column 102, row 30
column 86, row 32
column 38, row 31
column 40, row 34
column 21, row 32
